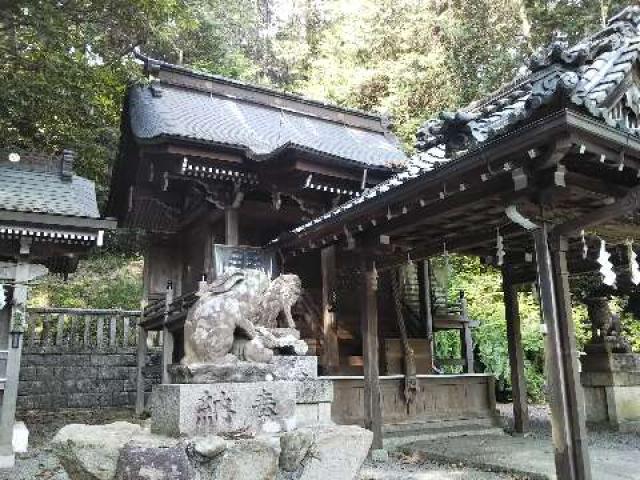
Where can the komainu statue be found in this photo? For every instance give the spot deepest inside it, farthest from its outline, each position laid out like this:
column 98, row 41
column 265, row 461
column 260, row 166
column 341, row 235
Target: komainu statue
column 233, row 316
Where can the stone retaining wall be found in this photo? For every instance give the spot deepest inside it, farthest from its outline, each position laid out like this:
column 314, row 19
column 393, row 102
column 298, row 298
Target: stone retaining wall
column 52, row 378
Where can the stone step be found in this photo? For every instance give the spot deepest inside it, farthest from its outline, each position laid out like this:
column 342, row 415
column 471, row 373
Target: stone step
column 396, row 435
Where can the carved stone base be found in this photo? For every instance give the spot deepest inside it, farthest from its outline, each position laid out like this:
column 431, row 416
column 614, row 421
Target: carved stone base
column 234, row 370
column 234, row 409
column 611, row 384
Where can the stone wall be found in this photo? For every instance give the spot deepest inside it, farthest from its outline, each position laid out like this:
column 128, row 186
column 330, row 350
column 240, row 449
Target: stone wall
column 52, row 378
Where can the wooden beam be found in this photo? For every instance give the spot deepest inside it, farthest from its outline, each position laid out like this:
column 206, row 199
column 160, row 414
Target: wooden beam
column 594, row 185
column 140, row 364
column 524, row 138
column 625, row 206
column 426, row 313
column 330, row 353
column 455, row 202
column 167, row 339
column 569, row 359
column 231, row 226
column 466, row 341
column 464, row 240
column 370, row 347
column 14, row 345
column 182, row 150
column 567, row 404
column 516, row 353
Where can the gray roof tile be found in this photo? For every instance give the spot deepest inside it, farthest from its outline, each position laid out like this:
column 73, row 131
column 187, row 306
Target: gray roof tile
column 23, row 190
column 586, row 73
column 259, row 129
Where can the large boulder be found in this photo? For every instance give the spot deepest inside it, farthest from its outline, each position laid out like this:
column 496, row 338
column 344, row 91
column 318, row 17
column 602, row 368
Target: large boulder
column 125, row 451
column 254, row 459
column 294, row 447
column 153, row 463
column 90, row 452
column 336, row 452
column 209, row 447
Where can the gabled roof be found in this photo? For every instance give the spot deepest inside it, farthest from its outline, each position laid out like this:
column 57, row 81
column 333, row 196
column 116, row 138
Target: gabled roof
column 586, row 76
column 36, row 184
column 189, row 105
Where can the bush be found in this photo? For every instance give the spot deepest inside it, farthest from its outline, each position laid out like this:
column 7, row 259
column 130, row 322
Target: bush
column 101, row 281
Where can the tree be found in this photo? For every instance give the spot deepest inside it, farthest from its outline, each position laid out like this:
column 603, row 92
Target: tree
column 64, row 69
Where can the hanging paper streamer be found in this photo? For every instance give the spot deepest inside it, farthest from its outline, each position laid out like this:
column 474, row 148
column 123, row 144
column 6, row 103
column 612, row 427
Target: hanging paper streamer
column 585, row 247
column 633, row 264
column 606, row 267
column 500, row 249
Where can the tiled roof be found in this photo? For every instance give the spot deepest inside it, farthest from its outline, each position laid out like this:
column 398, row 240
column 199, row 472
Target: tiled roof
column 261, row 130
column 585, row 75
column 28, row 190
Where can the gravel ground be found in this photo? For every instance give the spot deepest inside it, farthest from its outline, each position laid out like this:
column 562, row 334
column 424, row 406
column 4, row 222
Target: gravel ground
column 40, row 464
column 418, row 467
column 599, row 435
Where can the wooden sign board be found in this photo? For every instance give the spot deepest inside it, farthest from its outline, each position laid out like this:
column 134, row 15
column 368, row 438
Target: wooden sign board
column 226, row 256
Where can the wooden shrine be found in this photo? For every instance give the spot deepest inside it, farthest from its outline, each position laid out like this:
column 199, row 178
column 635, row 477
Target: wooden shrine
column 48, row 218
column 539, row 180
column 214, row 169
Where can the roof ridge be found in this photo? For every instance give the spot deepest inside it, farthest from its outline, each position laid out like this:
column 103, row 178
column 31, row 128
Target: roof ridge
column 152, row 63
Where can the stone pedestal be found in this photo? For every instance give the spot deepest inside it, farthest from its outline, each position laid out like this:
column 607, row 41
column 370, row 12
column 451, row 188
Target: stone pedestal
column 242, row 396
column 611, row 384
column 223, row 408
column 313, row 402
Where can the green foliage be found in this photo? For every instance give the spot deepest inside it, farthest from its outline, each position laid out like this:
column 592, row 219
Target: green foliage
column 102, row 281
column 64, row 67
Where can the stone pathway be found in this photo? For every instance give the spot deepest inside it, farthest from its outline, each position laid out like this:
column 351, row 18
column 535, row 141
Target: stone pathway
column 614, row 456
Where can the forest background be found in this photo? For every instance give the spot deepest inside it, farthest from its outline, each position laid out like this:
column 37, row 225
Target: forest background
column 65, row 65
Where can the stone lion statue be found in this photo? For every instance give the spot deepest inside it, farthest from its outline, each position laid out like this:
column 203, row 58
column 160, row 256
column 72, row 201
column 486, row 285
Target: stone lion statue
column 233, row 315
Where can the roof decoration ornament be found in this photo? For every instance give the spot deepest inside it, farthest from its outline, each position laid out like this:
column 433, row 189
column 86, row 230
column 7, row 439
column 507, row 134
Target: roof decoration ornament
column 558, row 52
column 451, row 128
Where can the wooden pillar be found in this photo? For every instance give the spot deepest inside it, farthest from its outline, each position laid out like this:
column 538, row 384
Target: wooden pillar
column 567, row 402
column 370, row 347
column 167, row 338
column 516, row 354
column 141, row 362
column 330, row 354
column 426, row 313
column 466, row 340
column 232, row 233
column 16, row 329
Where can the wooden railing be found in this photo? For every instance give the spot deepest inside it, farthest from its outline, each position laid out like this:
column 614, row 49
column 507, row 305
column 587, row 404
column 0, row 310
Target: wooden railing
column 77, row 328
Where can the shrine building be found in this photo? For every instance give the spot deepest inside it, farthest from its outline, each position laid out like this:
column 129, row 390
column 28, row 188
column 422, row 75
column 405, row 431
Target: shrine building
column 48, row 218
column 538, row 179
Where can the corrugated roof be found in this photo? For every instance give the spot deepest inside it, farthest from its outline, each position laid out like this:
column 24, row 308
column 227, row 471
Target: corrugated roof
column 24, row 190
column 259, row 129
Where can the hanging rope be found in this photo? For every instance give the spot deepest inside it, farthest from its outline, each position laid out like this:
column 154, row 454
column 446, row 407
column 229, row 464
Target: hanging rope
column 410, row 379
